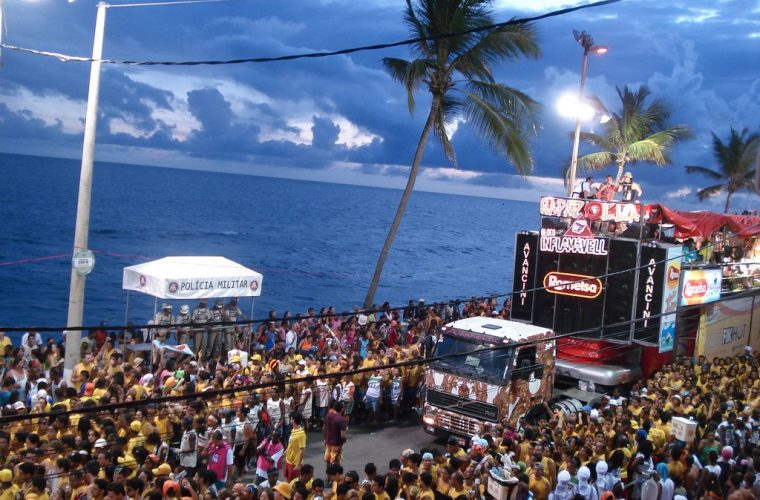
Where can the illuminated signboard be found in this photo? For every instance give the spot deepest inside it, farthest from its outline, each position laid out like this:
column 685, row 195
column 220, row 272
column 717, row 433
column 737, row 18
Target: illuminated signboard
column 592, row 210
column 700, row 286
column 574, row 285
column 553, row 240
column 526, row 250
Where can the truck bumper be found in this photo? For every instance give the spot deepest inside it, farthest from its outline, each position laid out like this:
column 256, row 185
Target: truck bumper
column 444, row 423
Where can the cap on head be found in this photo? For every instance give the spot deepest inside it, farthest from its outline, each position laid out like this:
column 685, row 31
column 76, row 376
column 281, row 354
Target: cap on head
column 584, row 472
column 162, row 470
column 627, row 174
column 184, row 309
column 563, row 476
column 166, row 306
column 6, row 476
column 136, row 426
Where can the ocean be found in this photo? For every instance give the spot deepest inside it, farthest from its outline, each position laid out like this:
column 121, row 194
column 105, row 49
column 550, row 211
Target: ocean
column 315, row 243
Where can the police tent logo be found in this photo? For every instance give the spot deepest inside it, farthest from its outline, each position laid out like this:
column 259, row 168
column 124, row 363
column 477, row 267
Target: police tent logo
column 143, row 280
column 254, row 285
column 173, row 287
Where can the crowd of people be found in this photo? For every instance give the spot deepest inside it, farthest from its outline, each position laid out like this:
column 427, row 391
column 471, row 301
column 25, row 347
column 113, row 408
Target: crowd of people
column 106, row 435
column 243, row 401
column 630, row 191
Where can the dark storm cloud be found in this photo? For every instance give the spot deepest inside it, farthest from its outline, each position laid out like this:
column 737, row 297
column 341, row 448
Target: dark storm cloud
column 25, row 124
column 325, row 133
column 697, row 55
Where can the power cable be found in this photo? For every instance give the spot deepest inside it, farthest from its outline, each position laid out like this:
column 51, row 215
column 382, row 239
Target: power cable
column 312, row 378
column 366, row 311
column 316, row 55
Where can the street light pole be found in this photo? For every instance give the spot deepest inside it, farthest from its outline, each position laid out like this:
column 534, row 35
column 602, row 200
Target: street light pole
column 82, row 228
column 588, row 46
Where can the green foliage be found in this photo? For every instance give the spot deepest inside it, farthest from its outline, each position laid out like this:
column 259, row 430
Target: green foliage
column 735, row 161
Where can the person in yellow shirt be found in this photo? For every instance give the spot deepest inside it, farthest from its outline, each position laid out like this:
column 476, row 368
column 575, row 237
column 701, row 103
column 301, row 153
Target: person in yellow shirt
column 8, row 490
column 538, row 484
column 296, row 446
column 4, row 343
column 136, row 437
column 87, row 364
column 457, row 486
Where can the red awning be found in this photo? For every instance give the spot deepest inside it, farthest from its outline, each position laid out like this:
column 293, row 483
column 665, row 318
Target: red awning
column 703, row 223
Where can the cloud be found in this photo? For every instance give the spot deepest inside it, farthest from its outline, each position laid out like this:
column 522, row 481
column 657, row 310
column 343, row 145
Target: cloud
column 679, row 193
column 324, row 133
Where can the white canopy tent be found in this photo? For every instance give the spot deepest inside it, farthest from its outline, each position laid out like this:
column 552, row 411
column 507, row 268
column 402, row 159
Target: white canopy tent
column 178, row 278
column 192, row 278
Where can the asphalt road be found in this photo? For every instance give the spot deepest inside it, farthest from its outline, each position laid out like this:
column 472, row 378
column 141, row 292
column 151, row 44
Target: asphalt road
column 365, row 444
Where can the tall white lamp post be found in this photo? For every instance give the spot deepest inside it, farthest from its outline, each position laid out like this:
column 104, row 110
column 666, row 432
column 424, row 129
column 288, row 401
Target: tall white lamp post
column 587, row 43
column 79, row 268
column 83, row 260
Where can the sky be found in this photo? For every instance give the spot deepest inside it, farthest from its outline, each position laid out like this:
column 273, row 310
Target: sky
column 342, row 119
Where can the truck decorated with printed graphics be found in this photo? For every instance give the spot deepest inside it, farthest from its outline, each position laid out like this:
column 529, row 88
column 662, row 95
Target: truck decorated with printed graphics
column 506, row 370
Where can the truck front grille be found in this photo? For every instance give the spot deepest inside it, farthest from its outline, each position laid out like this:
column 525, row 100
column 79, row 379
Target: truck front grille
column 465, row 406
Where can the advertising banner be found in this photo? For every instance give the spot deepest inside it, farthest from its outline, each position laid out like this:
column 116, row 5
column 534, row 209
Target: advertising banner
column 526, row 250
column 593, row 210
column 670, row 299
column 724, row 328
column 754, row 335
column 701, row 286
column 649, row 303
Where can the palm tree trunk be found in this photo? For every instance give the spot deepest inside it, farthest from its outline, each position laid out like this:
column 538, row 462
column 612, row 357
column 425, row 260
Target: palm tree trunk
column 621, row 167
column 403, row 203
column 728, row 200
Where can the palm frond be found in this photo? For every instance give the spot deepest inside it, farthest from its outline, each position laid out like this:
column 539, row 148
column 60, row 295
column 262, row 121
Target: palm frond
column 409, row 73
column 597, row 140
column 515, row 104
column 647, row 150
column 595, row 161
column 696, row 169
column 504, row 131
column 710, row 191
column 509, row 42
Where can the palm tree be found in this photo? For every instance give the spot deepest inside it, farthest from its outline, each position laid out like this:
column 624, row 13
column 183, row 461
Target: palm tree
column 735, row 161
column 456, row 70
column 637, row 134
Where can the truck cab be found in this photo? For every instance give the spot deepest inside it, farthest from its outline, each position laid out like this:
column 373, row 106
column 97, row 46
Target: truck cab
column 490, row 370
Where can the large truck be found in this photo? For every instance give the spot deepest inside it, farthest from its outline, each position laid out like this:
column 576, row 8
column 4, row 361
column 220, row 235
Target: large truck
column 506, row 370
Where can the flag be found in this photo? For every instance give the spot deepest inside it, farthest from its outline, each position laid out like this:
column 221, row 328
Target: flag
column 180, row 349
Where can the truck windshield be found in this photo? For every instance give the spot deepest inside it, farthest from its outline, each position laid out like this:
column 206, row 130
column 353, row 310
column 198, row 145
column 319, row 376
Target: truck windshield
column 488, row 365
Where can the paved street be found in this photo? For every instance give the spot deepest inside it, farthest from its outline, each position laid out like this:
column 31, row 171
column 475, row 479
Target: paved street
column 377, row 445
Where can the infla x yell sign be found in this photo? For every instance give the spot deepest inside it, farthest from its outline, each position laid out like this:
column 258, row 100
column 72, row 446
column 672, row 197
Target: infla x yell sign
column 574, row 285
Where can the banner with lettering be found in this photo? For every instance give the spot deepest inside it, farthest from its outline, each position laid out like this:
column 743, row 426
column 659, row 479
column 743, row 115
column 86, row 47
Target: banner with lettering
column 724, row 328
column 192, row 278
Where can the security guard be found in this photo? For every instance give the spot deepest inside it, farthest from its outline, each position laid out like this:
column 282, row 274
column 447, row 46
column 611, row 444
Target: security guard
column 183, row 319
column 233, row 314
column 200, row 317
column 163, row 319
column 215, row 335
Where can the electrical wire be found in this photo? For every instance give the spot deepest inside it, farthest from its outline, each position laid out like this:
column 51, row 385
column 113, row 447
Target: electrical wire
column 368, row 311
column 315, row 55
column 312, row 378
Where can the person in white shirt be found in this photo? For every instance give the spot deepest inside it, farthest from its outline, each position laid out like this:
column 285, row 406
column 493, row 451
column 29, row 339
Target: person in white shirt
column 584, row 189
column 292, row 337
